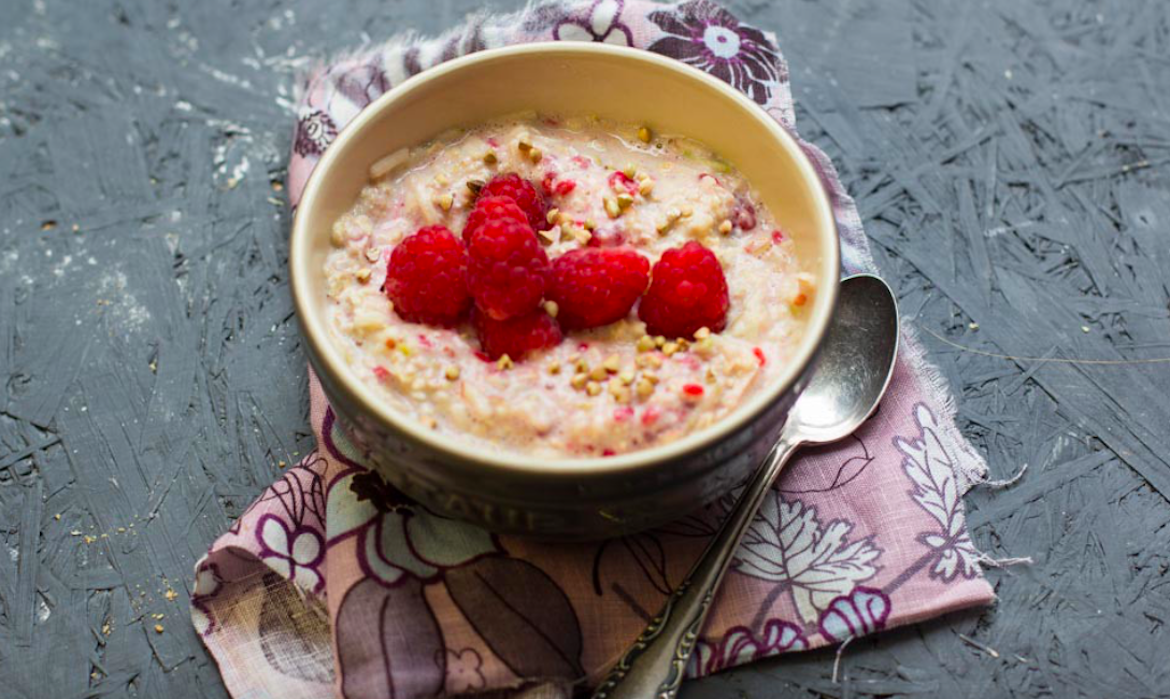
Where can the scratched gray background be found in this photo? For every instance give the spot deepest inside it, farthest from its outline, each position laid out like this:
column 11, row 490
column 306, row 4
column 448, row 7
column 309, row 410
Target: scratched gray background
column 1010, row 159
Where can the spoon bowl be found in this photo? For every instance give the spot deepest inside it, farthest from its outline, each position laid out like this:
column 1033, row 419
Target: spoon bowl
column 855, row 366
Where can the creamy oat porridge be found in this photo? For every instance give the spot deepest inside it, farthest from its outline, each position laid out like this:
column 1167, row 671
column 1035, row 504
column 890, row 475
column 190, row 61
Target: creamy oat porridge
column 533, row 328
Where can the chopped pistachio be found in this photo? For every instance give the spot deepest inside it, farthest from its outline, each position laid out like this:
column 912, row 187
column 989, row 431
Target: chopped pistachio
column 725, row 227
column 598, row 373
column 644, row 134
column 626, row 377
column 578, row 381
column 362, row 275
column 452, row 373
column 644, row 388
column 552, row 214
column 582, row 236
column 624, row 201
column 505, row 362
column 550, row 236
column 592, row 388
column 551, row 308
column 444, row 201
column 612, row 363
column 611, row 207
column 554, row 368
column 645, row 343
column 490, row 157
column 672, row 217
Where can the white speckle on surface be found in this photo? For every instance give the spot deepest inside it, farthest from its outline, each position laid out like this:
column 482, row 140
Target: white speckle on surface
column 123, row 310
column 183, row 106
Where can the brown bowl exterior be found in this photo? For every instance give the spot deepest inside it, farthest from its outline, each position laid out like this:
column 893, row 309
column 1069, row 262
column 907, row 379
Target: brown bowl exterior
column 567, row 499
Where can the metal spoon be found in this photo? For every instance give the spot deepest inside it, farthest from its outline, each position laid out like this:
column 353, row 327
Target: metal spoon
column 854, row 369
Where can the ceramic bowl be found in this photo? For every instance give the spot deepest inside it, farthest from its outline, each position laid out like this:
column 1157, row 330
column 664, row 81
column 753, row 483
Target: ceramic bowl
column 564, row 498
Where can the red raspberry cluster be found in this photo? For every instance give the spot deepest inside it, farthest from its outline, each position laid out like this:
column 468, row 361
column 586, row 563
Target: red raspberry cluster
column 500, row 274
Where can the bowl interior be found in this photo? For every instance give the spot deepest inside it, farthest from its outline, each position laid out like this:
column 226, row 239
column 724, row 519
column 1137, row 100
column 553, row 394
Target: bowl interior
column 563, row 78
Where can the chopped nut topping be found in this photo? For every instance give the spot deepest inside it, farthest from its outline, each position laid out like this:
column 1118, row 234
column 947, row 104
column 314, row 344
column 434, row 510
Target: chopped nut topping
column 705, row 347
column 670, row 348
column 626, row 377
column 612, row 363
column 593, row 388
column 598, row 373
column 582, row 366
column 650, row 376
column 611, row 207
column 337, row 235
column 552, row 214
column 554, row 368
column 535, row 154
column 590, row 224
column 672, row 217
column 444, row 201
column 373, row 254
column 624, row 201
column 620, row 393
column 725, row 227
column 645, row 186
column 452, row 372
column 551, row 308
column 629, row 170
column 644, row 134
column 362, row 275
column 645, row 343
column 702, row 332
column 490, row 157
column 659, row 341
column 644, row 389
column 505, row 362
column 524, row 145
column 158, row 628
column 582, row 236
column 578, row 381
column 475, row 185
column 550, row 236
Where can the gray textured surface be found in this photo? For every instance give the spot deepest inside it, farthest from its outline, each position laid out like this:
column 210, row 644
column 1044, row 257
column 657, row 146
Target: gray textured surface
column 1010, row 159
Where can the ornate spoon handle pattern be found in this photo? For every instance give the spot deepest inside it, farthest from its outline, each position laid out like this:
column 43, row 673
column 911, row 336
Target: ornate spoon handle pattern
column 656, row 662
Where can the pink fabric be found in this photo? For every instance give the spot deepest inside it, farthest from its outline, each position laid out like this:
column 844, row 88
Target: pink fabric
column 334, row 583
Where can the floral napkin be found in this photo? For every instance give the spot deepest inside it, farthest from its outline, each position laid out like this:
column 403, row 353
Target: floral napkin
column 332, row 583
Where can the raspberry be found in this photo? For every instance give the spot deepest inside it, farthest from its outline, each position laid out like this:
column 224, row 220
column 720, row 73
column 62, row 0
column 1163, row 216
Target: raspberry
column 518, row 336
column 687, row 292
column 426, row 277
column 487, row 208
column 520, row 191
column 508, row 271
column 597, row 286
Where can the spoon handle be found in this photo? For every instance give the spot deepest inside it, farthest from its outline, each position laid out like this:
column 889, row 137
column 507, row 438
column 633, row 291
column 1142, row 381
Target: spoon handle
column 654, row 665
